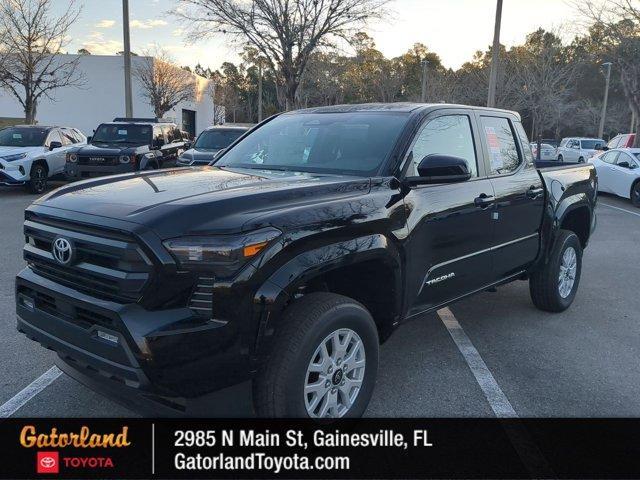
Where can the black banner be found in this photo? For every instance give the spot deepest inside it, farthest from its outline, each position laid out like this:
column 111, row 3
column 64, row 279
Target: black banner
column 367, row 448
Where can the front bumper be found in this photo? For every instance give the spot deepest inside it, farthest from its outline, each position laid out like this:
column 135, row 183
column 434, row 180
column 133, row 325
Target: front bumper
column 77, row 171
column 152, row 361
column 13, row 173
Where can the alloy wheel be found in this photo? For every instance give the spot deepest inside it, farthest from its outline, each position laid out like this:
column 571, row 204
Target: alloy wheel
column 568, row 270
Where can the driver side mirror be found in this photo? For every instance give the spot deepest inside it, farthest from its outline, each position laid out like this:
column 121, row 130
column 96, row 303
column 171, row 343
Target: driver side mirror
column 437, row 168
column 53, row 145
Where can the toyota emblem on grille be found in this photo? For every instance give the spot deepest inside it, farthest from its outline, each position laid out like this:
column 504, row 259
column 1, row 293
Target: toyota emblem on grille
column 62, row 250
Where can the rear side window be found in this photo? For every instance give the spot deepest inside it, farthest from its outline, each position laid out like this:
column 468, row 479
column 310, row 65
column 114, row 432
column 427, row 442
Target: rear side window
column 501, row 143
column 446, row 135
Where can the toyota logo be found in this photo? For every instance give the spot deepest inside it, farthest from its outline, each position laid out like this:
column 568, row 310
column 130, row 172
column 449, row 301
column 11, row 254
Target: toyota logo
column 48, row 462
column 62, row 250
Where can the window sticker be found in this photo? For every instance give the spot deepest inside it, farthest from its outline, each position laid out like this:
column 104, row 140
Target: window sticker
column 122, row 132
column 493, row 142
column 17, row 136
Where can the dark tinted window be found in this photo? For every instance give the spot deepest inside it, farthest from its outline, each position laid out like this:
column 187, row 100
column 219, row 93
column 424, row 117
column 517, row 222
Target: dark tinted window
column 447, row 135
column 592, row 144
column 122, row 133
column 22, row 137
column 217, row 139
column 503, row 152
column 354, row 143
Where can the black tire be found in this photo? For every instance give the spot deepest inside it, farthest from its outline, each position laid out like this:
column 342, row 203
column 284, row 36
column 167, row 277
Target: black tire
column 544, row 284
column 560, row 158
column 37, row 179
column 581, row 160
column 635, row 194
column 278, row 390
column 150, row 166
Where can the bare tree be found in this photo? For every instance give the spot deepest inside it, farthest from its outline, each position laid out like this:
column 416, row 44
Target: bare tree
column 285, row 32
column 164, row 84
column 621, row 20
column 32, row 41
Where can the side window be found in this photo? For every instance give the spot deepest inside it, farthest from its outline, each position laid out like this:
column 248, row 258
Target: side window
column 447, row 135
column 158, row 137
column 563, row 143
column 68, row 138
column 168, row 133
column 610, row 157
column 54, row 136
column 524, row 141
column 623, row 157
column 501, row 144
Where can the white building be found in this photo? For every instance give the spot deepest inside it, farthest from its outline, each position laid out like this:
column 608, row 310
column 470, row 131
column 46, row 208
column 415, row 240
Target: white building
column 101, row 99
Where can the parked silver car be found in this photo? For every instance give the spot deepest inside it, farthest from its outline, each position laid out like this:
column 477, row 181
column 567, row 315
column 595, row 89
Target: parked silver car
column 578, row 150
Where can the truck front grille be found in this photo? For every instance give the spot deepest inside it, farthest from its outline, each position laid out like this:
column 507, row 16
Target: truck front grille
column 107, row 264
column 98, row 160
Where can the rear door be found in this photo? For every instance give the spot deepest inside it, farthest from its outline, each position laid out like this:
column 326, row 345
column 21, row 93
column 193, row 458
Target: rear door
column 519, row 194
column 449, row 225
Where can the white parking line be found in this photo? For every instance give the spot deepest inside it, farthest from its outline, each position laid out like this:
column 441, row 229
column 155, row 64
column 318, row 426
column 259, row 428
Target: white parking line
column 495, row 396
column 621, row 209
column 27, row 393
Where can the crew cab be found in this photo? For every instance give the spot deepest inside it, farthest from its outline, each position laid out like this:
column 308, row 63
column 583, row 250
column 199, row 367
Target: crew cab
column 126, row 145
column 210, row 143
column 31, row 154
column 286, row 263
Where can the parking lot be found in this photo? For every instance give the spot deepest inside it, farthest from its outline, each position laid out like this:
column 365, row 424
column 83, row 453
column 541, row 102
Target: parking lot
column 583, row 362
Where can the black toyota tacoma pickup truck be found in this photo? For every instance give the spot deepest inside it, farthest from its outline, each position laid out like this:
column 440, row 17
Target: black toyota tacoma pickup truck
column 285, row 264
column 126, row 145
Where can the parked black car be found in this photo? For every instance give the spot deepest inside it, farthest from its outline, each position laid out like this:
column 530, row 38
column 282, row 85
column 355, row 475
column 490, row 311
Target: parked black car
column 209, row 143
column 126, row 145
column 287, row 262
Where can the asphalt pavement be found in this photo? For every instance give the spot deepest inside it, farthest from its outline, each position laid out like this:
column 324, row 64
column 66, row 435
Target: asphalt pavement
column 580, row 363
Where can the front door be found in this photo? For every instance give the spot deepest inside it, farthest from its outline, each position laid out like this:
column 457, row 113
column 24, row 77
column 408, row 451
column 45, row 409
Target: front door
column 449, row 225
column 623, row 174
column 519, row 194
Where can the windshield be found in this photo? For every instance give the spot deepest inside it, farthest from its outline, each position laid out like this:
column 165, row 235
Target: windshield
column 342, row 143
column 22, row 137
column 592, row 144
column 134, row 134
column 217, row 139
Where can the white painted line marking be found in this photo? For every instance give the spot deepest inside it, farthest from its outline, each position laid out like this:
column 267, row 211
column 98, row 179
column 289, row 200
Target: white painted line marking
column 27, row 393
column 621, row 209
column 495, row 396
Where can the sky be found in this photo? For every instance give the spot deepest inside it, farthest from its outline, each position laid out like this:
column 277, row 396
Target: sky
column 454, row 29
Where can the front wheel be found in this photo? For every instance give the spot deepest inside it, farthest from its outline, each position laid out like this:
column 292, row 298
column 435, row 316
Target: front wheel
column 324, row 361
column 553, row 287
column 581, row 160
column 635, row 194
column 560, row 158
column 37, row 179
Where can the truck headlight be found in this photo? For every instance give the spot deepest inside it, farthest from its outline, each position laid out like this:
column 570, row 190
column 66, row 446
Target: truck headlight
column 222, row 253
column 17, row 156
column 72, row 158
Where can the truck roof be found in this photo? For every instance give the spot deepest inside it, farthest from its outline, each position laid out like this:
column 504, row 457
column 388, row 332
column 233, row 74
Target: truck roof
column 401, row 107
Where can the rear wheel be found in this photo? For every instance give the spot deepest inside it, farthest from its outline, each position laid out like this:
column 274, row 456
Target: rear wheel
column 554, row 286
column 37, row 179
column 324, row 361
column 635, row 194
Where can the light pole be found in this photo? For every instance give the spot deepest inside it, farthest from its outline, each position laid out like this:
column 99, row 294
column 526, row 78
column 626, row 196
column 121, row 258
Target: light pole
column 259, row 92
column 423, row 95
column 607, row 65
column 128, row 103
column 495, row 58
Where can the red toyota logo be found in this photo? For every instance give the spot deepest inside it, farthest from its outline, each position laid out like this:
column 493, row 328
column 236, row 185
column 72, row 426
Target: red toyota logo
column 47, row 462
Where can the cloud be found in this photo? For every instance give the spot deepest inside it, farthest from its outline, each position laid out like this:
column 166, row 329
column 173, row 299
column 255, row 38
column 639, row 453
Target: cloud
column 105, row 23
column 98, row 45
column 146, row 24
column 178, row 32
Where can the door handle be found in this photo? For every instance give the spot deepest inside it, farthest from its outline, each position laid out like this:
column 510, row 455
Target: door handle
column 534, row 192
column 483, row 201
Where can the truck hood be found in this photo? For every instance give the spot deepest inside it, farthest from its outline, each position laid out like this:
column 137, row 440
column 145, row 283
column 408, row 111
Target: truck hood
column 199, row 200
column 30, row 151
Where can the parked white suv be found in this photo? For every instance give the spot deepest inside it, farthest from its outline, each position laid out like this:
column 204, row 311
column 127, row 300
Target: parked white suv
column 578, row 149
column 31, row 154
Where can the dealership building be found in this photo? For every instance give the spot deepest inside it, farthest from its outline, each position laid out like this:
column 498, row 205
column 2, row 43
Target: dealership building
column 101, row 98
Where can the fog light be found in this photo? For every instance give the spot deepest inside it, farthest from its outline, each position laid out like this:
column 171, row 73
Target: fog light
column 27, row 302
